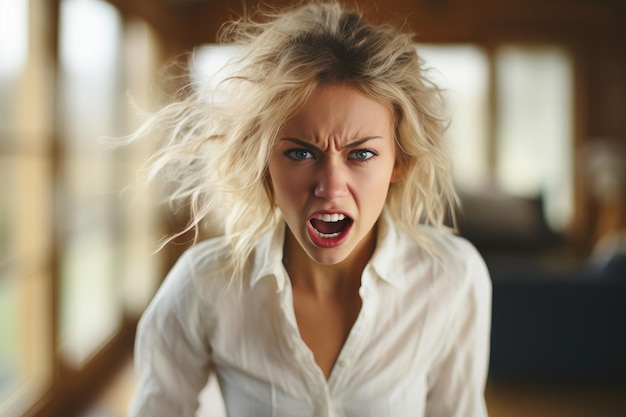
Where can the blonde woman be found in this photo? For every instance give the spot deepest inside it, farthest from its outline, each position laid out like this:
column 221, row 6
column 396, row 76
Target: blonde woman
column 336, row 289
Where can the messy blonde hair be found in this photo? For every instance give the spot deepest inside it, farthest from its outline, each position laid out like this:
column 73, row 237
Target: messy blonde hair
column 216, row 152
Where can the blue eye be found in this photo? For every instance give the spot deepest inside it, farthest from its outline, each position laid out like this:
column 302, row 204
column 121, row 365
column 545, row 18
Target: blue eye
column 299, row 154
column 362, row 154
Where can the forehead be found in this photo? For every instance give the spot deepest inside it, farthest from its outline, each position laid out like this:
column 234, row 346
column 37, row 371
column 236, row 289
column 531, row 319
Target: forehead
column 338, row 112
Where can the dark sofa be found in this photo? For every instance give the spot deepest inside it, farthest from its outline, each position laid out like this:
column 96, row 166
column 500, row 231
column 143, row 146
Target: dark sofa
column 567, row 324
column 554, row 317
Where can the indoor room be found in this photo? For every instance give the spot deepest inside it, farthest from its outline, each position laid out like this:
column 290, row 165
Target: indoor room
column 535, row 92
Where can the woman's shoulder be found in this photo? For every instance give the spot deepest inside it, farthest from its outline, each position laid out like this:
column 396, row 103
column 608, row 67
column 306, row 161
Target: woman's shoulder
column 206, row 254
column 459, row 267
column 200, row 268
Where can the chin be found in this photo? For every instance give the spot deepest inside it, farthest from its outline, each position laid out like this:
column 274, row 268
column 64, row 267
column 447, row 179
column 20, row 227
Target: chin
column 327, row 256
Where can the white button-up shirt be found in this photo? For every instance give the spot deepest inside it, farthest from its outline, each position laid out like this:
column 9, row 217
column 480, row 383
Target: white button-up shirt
column 419, row 346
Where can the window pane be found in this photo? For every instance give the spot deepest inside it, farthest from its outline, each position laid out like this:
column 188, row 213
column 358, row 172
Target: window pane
column 90, row 308
column 89, row 68
column 141, row 224
column 25, row 350
column 26, row 353
column 9, row 347
column 25, row 75
column 13, row 55
column 8, row 210
column 462, row 71
column 535, row 127
column 32, row 215
column 13, row 36
column 92, row 92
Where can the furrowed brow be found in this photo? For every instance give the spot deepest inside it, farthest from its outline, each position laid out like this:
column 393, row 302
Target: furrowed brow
column 303, row 143
column 350, row 145
column 360, row 142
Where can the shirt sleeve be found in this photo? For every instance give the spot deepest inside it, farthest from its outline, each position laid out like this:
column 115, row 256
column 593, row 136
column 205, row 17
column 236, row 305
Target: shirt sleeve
column 457, row 379
column 172, row 355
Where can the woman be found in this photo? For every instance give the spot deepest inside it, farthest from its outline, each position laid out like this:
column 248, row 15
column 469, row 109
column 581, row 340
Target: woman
column 336, row 289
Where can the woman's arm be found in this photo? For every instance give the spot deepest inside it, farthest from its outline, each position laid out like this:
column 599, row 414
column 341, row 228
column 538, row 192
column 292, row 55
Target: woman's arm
column 172, row 355
column 457, row 381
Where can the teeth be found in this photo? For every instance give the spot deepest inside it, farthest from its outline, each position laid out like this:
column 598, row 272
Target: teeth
column 330, row 218
column 326, row 235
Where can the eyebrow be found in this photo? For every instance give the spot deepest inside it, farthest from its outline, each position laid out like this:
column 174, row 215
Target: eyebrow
column 350, row 145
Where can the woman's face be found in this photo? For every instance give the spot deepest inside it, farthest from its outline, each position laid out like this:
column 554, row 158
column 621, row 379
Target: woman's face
column 330, row 171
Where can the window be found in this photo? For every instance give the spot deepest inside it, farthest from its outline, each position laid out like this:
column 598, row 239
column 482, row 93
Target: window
column 76, row 259
column 534, row 134
column 25, row 209
column 462, row 71
column 90, row 67
column 524, row 146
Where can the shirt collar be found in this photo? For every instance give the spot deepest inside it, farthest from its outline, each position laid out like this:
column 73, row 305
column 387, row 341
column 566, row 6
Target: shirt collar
column 268, row 257
column 386, row 259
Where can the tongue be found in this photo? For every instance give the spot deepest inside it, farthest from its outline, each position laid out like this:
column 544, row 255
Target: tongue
column 328, row 227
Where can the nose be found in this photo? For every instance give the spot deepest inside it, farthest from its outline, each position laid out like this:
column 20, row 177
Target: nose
column 331, row 183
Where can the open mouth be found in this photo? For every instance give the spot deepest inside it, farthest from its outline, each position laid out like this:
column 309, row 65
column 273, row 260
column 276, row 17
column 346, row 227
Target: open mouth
column 330, row 226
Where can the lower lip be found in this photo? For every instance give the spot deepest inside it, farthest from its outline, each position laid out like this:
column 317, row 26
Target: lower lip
column 324, row 242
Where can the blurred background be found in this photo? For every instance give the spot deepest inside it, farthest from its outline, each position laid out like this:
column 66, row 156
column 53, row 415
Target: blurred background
column 537, row 95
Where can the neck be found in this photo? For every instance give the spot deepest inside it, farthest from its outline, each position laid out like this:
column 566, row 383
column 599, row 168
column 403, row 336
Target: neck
column 326, row 281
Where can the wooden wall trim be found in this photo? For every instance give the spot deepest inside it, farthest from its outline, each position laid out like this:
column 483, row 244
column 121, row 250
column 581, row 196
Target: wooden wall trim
column 190, row 23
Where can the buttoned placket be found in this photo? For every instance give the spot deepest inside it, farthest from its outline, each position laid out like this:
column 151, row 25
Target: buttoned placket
column 301, row 353
column 326, row 394
column 340, row 375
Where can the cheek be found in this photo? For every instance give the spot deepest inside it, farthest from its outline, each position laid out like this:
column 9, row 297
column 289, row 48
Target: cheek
column 372, row 188
column 375, row 185
column 382, row 174
column 381, row 184
column 286, row 184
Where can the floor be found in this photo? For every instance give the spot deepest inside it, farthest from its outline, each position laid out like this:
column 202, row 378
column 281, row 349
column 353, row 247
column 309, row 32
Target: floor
column 551, row 400
column 503, row 399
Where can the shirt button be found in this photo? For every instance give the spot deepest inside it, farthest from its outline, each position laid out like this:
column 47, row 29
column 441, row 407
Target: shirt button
column 344, row 363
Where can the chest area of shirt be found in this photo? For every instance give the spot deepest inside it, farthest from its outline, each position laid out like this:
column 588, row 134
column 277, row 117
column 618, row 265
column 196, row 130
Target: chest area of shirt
column 324, row 325
column 381, row 344
column 245, row 396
